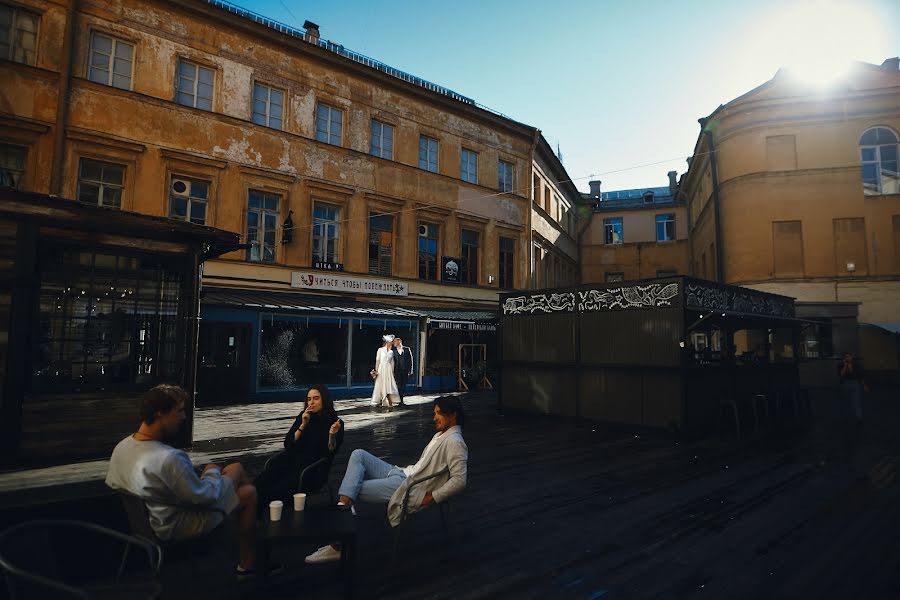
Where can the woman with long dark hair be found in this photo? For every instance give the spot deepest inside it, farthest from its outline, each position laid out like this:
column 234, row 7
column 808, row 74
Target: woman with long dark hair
column 317, row 433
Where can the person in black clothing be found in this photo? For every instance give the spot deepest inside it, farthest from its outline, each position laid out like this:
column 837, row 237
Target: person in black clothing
column 402, row 366
column 850, row 412
column 317, row 433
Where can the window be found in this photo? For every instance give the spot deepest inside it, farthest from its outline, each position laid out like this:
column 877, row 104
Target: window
column 381, row 143
column 648, row 197
column 612, row 230
column 850, row 249
column 329, row 124
column 614, row 276
column 665, row 228
column 326, row 233
column 787, row 248
column 12, row 166
column 115, row 320
column 381, row 242
column 194, row 86
column 507, row 262
column 505, row 176
column 547, row 199
column 878, row 155
column 429, row 238
column 100, row 183
column 468, row 166
column 187, row 199
column 268, row 106
column 428, row 153
column 468, row 270
column 111, row 61
column 18, row 35
column 536, row 188
column 262, row 226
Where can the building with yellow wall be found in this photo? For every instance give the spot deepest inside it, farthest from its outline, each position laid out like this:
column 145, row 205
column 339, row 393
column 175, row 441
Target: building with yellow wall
column 370, row 200
column 554, row 221
column 793, row 189
column 635, row 234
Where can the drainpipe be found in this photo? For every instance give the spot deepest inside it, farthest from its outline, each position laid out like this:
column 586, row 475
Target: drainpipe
column 530, row 262
column 62, row 105
column 714, row 171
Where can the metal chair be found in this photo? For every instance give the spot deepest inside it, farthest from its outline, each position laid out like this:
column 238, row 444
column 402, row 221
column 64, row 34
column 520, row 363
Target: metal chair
column 34, row 564
column 303, row 480
column 139, row 522
column 445, row 511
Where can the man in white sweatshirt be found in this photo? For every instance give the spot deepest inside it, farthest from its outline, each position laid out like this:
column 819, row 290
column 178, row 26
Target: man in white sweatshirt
column 370, row 479
column 144, row 464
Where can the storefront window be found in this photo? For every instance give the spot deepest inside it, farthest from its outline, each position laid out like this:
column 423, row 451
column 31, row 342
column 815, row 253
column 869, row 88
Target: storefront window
column 299, row 351
column 106, row 319
column 367, row 339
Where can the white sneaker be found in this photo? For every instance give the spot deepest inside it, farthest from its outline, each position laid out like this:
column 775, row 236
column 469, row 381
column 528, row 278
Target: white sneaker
column 325, row 554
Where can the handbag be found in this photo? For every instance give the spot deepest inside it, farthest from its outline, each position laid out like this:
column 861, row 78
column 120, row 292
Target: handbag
column 373, row 373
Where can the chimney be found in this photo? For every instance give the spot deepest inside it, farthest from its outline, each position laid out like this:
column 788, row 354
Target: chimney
column 673, row 182
column 892, row 64
column 312, row 32
column 595, row 188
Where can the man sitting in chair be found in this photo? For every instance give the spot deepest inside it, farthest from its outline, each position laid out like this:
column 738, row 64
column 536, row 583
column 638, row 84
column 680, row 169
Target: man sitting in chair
column 144, row 464
column 370, row 479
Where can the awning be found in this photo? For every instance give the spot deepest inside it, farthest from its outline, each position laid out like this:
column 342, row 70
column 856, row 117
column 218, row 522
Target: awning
column 751, row 320
column 305, row 303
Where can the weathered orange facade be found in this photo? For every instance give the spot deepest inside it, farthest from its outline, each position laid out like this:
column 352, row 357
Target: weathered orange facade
column 793, row 190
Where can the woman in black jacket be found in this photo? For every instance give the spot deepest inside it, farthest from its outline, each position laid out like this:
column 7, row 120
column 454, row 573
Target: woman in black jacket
column 317, row 433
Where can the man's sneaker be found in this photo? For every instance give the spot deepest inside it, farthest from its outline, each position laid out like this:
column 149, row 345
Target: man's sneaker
column 325, row 554
column 274, row 569
column 352, row 507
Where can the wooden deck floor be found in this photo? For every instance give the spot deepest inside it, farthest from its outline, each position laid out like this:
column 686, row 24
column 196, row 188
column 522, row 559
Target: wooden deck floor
column 560, row 509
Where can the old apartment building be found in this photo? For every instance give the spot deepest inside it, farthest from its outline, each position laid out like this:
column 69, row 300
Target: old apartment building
column 635, row 234
column 369, row 200
column 795, row 191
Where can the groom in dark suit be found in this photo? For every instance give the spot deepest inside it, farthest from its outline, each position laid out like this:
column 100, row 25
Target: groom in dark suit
column 402, row 366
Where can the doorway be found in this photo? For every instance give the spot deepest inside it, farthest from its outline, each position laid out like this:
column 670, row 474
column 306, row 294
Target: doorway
column 223, row 364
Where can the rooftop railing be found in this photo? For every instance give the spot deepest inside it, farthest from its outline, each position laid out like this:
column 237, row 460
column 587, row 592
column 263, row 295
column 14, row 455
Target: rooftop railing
column 354, row 56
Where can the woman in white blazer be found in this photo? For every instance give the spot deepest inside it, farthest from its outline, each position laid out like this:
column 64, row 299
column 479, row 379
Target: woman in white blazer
column 385, row 384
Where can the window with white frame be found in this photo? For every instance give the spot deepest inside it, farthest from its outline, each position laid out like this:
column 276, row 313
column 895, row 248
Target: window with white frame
column 18, row 34
column 428, row 153
column 12, row 166
column 326, row 233
column 329, row 124
column 100, row 183
column 468, row 166
column 262, row 225
column 665, row 228
column 381, row 141
column 612, row 230
column 194, row 85
column 381, row 243
column 268, row 106
column 111, row 61
column 878, row 150
column 188, row 199
column 505, row 176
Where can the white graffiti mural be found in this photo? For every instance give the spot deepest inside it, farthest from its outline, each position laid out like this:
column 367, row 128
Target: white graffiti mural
column 742, row 300
column 546, row 303
column 653, row 295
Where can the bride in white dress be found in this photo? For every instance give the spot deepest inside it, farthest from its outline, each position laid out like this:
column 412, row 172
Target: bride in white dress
column 385, row 385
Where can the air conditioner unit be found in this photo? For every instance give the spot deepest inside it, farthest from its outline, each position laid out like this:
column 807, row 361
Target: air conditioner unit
column 423, row 230
column 180, row 187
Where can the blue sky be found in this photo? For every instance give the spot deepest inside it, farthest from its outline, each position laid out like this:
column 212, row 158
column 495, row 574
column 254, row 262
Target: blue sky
column 616, row 84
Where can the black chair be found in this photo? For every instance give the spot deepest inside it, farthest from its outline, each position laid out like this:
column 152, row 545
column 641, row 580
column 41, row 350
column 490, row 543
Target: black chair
column 306, row 482
column 444, row 508
column 58, row 559
column 139, row 522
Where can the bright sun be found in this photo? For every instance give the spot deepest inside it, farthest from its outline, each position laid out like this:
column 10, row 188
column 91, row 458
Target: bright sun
column 816, row 40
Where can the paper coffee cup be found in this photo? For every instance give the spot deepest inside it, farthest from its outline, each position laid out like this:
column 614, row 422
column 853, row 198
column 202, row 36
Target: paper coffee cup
column 299, row 501
column 275, row 507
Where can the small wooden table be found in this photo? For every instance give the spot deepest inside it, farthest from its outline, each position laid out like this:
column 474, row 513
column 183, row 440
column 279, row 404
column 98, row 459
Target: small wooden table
column 320, row 524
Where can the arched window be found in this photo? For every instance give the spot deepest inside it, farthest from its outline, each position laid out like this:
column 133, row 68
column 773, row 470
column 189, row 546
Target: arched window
column 878, row 156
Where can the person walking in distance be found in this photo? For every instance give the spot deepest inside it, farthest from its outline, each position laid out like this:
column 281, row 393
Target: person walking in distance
column 385, row 385
column 402, row 366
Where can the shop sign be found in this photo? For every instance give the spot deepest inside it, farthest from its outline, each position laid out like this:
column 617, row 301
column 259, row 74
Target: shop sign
column 450, row 269
column 462, row 325
column 328, row 266
column 345, row 283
